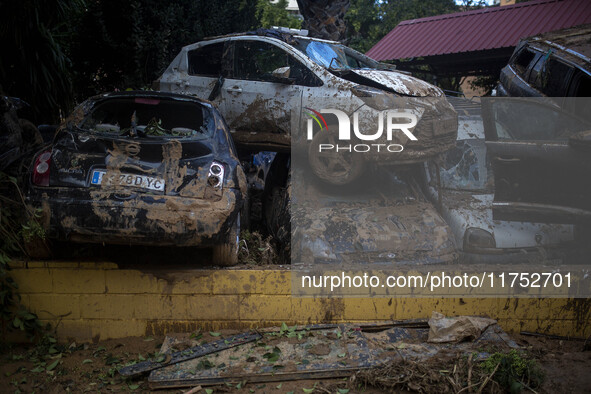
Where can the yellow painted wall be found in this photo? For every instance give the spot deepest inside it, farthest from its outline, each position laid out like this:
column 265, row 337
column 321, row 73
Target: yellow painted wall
column 100, row 301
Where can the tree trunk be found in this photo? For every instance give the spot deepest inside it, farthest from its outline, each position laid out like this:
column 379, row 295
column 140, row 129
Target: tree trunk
column 324, row 18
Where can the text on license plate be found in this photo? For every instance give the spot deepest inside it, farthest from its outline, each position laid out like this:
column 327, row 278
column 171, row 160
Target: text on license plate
column 145, row 182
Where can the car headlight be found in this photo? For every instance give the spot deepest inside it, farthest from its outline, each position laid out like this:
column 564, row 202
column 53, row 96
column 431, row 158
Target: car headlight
column 366, row 91
column 476, row 239
column 374, row 98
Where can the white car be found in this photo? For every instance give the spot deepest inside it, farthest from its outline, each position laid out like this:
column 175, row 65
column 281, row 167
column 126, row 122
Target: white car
column 464, row 193
column 275, row 87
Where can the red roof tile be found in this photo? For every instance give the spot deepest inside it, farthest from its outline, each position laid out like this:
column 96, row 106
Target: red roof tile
column 487, row 28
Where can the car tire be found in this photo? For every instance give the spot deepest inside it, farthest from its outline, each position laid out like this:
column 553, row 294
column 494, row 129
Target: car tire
column 226, row 254
column 332, row 167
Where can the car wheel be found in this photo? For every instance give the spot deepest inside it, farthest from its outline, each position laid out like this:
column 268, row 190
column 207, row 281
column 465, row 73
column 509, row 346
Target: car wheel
column 336, row 168
column 226, row 254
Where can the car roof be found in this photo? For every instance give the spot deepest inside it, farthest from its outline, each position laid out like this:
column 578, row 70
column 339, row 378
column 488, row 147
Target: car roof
column 573, row 43
column 270, row 33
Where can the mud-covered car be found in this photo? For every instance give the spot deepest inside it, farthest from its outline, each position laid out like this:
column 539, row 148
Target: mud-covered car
column 379, row 219
column 554, row 64
column 275, row 87
column 461, row 184
column 540, row 159
column 141, row 168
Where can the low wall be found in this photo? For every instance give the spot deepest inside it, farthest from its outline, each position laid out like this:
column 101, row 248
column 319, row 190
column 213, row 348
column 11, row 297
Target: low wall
column 91, row 301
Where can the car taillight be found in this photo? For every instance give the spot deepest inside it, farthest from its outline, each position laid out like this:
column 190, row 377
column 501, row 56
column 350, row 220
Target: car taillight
column 215, row 178
column 41, row 169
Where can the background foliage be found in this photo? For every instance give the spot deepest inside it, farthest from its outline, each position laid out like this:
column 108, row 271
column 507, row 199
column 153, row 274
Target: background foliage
column 60, row 52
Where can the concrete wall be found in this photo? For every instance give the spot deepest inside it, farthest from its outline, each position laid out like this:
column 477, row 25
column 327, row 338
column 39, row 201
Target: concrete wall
column 100, row 301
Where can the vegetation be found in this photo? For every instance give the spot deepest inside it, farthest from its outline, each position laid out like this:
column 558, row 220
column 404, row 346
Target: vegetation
column 14, row 226
column 514, row 371
column 274, row 14
column 59, row 53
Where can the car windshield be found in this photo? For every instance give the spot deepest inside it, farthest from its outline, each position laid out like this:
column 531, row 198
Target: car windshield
column 334, row 56
column 465, row 167
column 149, row 117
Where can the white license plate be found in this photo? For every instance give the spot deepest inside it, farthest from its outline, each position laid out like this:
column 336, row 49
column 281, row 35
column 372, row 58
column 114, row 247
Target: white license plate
column 144, row 182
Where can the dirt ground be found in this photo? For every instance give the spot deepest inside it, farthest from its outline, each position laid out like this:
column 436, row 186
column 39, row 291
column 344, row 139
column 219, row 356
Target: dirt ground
column 92, row 367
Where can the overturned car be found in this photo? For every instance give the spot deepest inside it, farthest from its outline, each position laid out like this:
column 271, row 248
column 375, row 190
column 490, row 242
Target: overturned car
column 141, row 168
column 279, row 88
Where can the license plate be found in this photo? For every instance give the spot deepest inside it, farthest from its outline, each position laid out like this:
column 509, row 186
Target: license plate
column 141, row 181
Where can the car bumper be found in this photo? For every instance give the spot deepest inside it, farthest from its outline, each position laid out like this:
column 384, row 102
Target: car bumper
column 81, row 216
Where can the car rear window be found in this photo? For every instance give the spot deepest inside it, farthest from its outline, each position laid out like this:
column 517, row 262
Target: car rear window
column 150, row 117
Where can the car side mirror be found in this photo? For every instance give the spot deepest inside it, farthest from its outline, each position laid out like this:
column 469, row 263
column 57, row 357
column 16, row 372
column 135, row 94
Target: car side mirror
column 581, row 140
column 281, row 75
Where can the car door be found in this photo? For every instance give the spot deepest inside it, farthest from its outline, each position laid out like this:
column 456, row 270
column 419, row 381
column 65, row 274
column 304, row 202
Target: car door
column 541, row 159
column 261, row 108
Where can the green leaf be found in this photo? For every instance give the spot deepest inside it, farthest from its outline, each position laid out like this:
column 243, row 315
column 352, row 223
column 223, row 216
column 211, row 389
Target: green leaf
column 215, row 334
column 196, row 335
column 133, row 386
column 148, row 339
column 271, row 357
column 38, row 369
column 52, row 365
column 279, row 385
column 87, row 361
column 308, row 390
column 111, row 360
column 208, row 391
column 343, row 391
column 284, row 327
column 341, row 355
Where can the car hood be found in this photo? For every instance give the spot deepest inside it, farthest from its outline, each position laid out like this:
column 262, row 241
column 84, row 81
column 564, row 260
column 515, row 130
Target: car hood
column 400, row 83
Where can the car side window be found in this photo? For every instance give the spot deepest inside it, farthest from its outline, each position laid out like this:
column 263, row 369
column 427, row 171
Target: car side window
column 579, row 101
column 533, row 120
column 256, row 61
column 207, row 60
column 581, row 85
column 552, row 80
column 521, row 62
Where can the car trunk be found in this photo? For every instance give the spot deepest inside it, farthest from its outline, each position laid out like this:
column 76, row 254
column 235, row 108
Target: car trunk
column 157, row 165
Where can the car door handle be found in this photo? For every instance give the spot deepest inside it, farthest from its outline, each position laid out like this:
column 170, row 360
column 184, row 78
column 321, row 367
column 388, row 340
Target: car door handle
column 508, row 159
column 234, row 89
